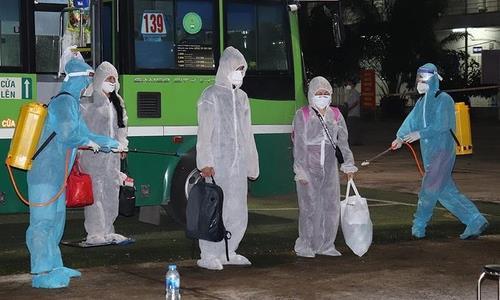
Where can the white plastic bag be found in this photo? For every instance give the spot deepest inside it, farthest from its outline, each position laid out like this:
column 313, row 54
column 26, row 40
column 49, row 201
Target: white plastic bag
column 355, row 220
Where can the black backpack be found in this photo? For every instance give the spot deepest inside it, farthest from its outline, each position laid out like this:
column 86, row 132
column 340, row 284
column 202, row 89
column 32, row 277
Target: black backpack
column 126, row 197
column 204, row 213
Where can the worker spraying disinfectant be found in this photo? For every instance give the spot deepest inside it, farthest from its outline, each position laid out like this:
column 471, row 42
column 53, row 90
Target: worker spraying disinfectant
column 432, row 121
column 62, row 133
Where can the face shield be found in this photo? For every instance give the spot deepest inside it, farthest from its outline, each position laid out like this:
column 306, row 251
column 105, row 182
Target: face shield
column 424, row 75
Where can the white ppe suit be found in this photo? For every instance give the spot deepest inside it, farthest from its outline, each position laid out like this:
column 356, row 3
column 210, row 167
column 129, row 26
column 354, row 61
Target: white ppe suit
column 226, row 143
column 101, row 117
column 315, row 163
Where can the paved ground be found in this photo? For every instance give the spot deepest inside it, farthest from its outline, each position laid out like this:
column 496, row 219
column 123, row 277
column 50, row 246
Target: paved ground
column 396, row 267
column 409, row 270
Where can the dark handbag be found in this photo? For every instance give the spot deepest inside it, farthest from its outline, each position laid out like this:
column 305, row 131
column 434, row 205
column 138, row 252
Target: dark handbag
column 78, row 188
column 204, row 213
column 126, row 206
column 338, row 152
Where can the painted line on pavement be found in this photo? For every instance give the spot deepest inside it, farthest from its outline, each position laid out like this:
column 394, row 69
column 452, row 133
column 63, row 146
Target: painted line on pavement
column 383, row 203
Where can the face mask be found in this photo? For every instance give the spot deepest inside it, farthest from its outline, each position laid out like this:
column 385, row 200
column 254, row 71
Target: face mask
column 422, row 87
column 108, row 87
column 321, row 101
column 348, row 87
column 236, row 78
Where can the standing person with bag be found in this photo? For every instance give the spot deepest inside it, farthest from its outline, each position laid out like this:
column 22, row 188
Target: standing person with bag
column 226, row 150
column 316, row 129
column 104, row 111
column 46, row 176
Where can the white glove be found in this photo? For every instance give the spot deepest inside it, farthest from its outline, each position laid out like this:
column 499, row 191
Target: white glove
column 120, row 148
column 396, row 144
column 412, row 137
column 93, row 146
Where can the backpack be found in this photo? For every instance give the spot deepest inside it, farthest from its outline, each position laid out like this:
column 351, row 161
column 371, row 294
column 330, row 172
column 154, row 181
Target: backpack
column 204, row 213
column 306, row 112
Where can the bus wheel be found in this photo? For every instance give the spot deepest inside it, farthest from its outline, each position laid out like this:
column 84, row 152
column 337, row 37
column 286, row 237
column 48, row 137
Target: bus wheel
column 176, row 207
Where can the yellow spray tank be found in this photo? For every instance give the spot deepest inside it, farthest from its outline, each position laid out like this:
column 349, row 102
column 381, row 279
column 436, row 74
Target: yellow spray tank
column 26, row 135
column 463, row 129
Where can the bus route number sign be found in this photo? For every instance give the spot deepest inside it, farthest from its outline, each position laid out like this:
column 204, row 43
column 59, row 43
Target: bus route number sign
column 153, row 25
column 15, row 88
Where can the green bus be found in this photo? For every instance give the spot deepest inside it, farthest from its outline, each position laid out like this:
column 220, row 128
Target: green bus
column 166, row 52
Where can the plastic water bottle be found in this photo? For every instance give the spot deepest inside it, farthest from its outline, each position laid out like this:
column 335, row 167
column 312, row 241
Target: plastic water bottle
column 172, row 284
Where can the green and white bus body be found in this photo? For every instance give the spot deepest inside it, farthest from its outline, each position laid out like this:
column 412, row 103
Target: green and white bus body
column 167, row 53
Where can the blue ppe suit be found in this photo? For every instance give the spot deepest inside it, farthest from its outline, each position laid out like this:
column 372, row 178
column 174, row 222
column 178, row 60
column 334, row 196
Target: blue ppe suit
column 47, row 176
column 433, row 117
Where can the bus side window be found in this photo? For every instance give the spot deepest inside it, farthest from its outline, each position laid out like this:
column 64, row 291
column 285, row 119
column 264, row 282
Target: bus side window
column 10, row 41
column 258, row 30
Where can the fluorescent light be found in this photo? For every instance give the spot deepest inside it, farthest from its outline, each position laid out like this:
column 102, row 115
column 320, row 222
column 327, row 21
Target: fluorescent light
column 458, row 30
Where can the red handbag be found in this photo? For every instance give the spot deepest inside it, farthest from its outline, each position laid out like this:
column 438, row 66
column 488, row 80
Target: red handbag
column 78, row 188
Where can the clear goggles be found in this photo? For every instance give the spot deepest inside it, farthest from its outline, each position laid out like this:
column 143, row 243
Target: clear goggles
column 423, row 75
column 89, row 73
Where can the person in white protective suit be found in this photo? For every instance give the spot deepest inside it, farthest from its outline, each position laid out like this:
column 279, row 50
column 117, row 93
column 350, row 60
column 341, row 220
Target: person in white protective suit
column 226, row 150
column 316, row 171
column 104, row 112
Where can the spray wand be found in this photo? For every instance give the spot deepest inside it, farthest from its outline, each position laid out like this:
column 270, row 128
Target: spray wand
column 417, row 161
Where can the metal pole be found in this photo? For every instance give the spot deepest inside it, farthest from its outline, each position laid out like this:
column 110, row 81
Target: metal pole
column 82, row 38
column 479, row 285
column 95, row 11
column 466, row 75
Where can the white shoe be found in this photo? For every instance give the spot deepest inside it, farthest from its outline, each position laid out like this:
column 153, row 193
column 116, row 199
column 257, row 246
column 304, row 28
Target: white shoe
column 236, row 260
column 306, row 253
column 210, row 264
column 115, row 238
column 95, row 240
column 330, row 252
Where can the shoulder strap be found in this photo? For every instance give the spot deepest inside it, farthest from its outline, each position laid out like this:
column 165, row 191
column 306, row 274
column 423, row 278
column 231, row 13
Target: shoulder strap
column 305, row 113
column 61, row 93
column 438, row 92
column 336, row 113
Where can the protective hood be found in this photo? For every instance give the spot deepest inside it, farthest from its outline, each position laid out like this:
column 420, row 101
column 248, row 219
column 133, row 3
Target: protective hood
column 316, row 84
column 230, row 60
column 77, row 77
column 103, row 71
column 433, row 82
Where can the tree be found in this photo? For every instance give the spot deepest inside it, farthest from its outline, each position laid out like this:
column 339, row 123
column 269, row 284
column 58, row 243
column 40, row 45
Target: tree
column 460, row 70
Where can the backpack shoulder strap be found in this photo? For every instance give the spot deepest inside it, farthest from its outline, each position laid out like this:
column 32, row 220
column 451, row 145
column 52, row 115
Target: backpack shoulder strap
column 305, row 113
column 336, row 113
column 438, row 92
column 61, row 93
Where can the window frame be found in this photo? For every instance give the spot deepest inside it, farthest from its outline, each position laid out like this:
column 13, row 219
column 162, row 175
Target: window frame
column 128, row 59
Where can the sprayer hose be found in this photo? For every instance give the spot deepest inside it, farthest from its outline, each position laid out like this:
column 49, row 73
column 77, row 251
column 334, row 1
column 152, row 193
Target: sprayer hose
column 53, row 199
column 417, row 161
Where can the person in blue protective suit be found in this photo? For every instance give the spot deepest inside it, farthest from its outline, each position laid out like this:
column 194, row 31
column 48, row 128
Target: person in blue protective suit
column 47, row 176
column 432, row 121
